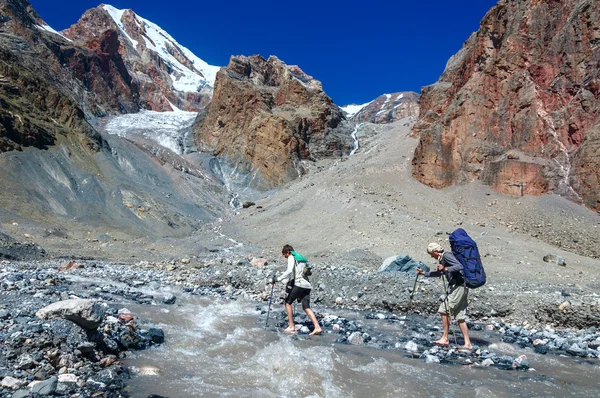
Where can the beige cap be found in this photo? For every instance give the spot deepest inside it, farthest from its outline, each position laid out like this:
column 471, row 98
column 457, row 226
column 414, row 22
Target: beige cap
column 434, row 247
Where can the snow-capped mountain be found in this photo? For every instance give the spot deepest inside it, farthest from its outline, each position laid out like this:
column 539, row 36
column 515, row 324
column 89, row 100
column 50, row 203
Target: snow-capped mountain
column 386, row 108
column 167, row 75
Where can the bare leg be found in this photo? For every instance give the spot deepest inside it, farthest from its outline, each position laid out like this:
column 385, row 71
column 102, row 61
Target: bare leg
column 313, row 318
column 290, row 314
column 462, row 325
column 446, row 324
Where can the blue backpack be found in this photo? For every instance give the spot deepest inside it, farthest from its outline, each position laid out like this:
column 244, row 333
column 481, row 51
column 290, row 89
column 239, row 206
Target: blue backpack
column 466, row 252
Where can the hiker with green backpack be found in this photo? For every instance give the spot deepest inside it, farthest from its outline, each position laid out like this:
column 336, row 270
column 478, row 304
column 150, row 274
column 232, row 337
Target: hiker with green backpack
column 297, row 287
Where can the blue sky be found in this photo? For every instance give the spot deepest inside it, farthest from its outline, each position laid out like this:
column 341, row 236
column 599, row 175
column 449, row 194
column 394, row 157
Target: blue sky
column 357, row 49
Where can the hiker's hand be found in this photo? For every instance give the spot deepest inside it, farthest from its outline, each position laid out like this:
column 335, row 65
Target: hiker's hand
column 273, row 280
column 420, row 271
column 440, row 267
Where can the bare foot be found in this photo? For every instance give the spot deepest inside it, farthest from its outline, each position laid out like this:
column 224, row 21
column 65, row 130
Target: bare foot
column 316, row 332
column 290, row 329
column 441, row 342
column 465, row 347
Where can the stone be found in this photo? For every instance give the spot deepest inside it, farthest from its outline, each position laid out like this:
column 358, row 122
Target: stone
column 556, row 259
column 431, row 359
column 356, row 338
column 46, row 387
column 86, row 313
column 411, row 346
column 564, row 305
column 149, row 371
column 402, row 263
column 67, row 378
column 258, row 262
column 70, row 265
column 25, row 362
column 156, row 335
column 521, row 362
column 339, row 300
column 22, row 393
column 11, row 383
column 169, row 299
column 487, row 362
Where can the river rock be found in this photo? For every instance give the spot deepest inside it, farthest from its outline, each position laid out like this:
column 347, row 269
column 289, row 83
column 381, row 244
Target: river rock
column 86, row 313
column 67, row 378
column 22, row 393
column 149, row 371
column 487, row 362
column 11, row 383
column 68, row 266
column 402, row 263
column 431, row 359
column 46, row 387
column 564, row 305
column 169, row 298
column 411, row 346
column 356, row 338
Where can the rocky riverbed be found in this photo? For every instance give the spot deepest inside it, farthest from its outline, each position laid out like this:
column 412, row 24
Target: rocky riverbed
column 58, row 356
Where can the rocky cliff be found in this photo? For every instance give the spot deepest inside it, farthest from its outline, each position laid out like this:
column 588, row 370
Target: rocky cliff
column 265, row 117
column 144, row 58
column 38, row 100
column 388, row 108
column 517, row 107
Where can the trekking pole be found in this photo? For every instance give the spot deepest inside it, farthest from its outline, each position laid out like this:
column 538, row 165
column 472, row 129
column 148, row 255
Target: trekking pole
column 447, row 310
column 270, row 300
column 412, row 294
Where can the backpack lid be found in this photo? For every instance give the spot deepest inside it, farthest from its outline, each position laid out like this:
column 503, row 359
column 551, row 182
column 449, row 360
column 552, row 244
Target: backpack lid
column 299, row 257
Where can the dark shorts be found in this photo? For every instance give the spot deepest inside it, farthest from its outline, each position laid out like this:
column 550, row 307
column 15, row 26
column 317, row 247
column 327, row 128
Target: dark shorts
column 300, row 294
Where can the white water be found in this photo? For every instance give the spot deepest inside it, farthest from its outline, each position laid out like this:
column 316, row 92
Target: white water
column 355, row 138
column 216, row 347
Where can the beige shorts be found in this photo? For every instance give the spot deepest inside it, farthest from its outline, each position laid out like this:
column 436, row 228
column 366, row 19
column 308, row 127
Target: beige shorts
column 456, row 303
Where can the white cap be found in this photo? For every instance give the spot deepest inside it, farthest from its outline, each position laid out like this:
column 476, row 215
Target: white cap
column 434, row 247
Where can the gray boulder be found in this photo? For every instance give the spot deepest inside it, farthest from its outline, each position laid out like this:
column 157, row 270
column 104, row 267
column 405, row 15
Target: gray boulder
column 402, row 263
column 556, row 259
column 86, row 313
column 46, row 387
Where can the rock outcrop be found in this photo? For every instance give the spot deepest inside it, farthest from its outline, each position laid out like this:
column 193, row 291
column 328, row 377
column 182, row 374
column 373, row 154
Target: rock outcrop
column 38, row 103
column 388, row 108
column 266, row 116
column 517, row 107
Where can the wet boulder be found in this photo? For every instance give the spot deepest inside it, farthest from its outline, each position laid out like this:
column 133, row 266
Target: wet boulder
column 86, row 313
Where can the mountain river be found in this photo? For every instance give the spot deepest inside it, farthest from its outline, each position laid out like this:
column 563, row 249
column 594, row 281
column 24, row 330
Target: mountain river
column 219, row 347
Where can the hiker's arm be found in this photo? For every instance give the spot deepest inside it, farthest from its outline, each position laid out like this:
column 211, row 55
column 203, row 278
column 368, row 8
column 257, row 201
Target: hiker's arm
column 290, row 269
column 451, row 263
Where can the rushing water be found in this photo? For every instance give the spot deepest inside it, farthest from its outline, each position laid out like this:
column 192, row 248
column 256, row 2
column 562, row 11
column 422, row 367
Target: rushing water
column 218, row 347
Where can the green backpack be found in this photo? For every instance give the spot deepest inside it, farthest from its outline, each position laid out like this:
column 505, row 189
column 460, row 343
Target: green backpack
column 307, row 270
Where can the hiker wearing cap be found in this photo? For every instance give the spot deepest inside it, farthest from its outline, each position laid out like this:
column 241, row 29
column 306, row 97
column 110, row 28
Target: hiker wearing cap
column 294, row 275
column 455, row 301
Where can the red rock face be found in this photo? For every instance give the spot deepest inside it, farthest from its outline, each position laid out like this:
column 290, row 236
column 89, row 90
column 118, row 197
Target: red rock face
column 518, row 104
column 134, row 52
column 388, row 108
column 266, row 116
